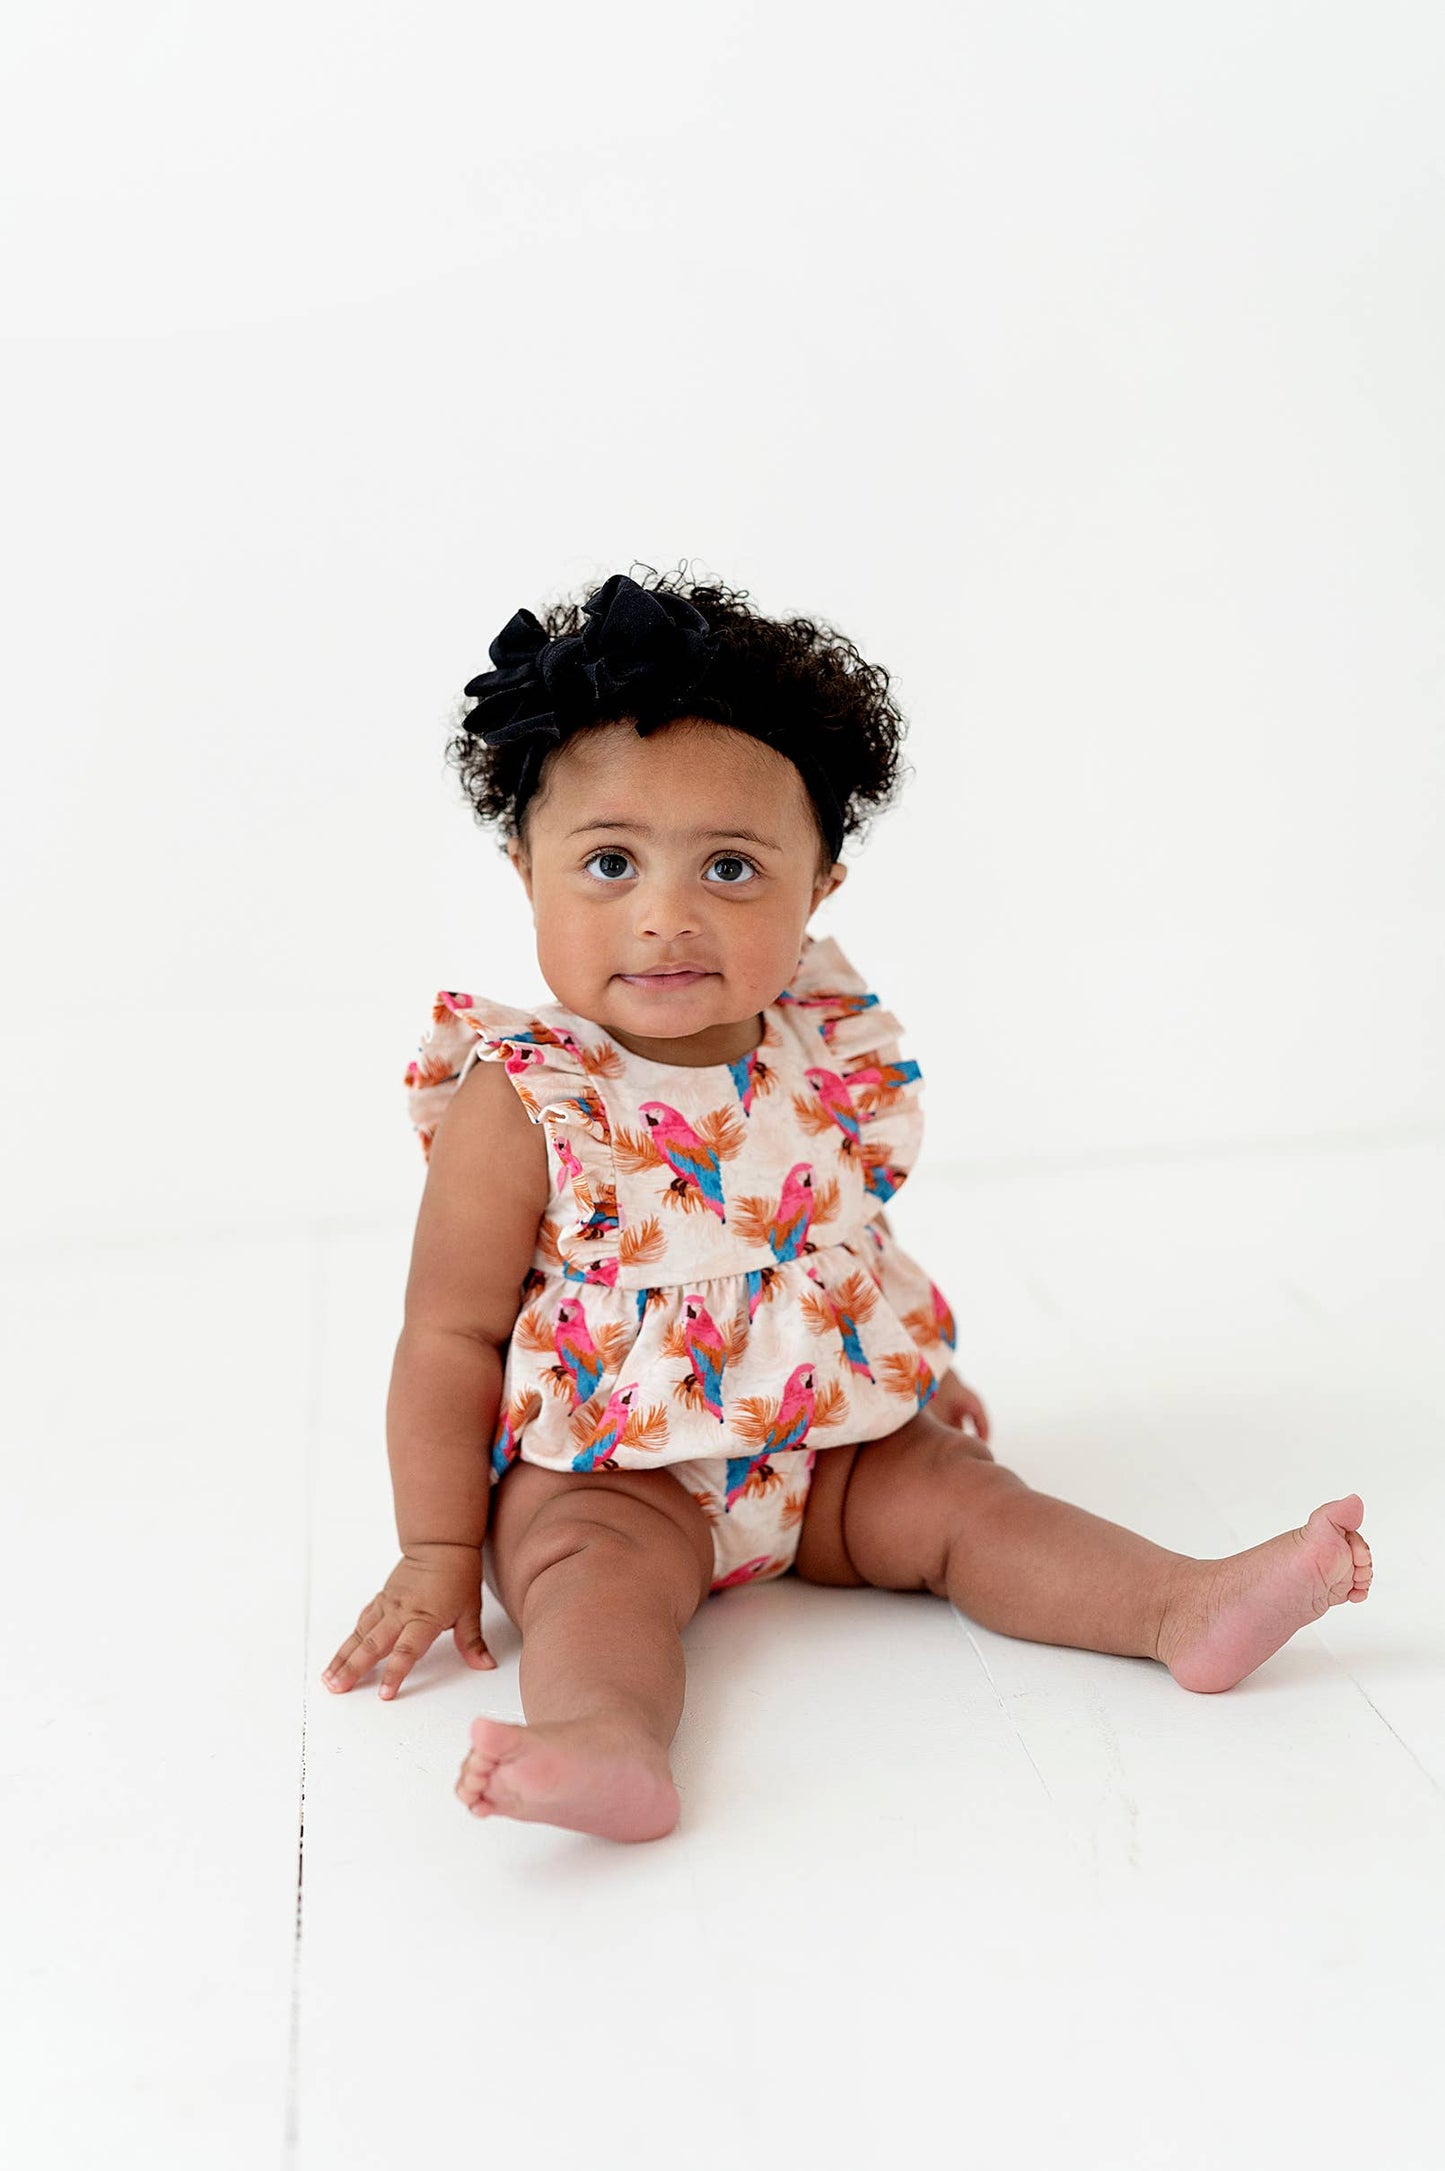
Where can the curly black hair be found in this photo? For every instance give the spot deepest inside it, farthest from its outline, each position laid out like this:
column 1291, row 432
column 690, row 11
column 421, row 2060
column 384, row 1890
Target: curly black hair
column 791, row 674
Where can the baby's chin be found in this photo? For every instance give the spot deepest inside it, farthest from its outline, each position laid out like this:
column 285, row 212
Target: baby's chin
column 662, row 1005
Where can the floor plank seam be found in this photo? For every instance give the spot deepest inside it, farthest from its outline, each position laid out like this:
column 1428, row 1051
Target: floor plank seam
column 293, row 2050
column 312, row 1430
column 1351, row 1675
column 1003, row 1707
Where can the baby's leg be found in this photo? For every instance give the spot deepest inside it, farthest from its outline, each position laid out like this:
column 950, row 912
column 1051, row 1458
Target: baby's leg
column 601, row 1571
column 914, row 1512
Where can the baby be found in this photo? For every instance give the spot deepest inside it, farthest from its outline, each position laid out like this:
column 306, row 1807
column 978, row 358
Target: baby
column 652, row 1273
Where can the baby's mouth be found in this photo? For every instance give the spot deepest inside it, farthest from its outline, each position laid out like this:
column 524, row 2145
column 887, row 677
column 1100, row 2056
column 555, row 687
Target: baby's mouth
column 682, row 976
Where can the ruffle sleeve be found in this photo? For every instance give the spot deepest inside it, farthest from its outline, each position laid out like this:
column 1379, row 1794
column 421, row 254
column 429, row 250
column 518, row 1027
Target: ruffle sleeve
column 554, row 1074
column 863, row 1039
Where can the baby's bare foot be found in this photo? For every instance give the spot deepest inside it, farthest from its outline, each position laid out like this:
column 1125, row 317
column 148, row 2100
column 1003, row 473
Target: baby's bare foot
column 1229, row 1616
column 590, row 1775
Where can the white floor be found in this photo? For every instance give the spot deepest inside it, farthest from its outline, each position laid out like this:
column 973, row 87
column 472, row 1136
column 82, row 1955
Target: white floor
column 935, row 1891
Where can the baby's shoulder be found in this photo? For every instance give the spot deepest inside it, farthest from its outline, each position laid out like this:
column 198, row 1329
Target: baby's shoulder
column 485, row 1200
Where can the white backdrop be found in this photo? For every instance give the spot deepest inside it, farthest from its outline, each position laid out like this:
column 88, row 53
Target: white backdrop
column 1082, row 364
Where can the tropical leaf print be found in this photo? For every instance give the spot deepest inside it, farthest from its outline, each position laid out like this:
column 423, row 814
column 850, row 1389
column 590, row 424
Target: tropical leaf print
column 600, row 1059
column 856, row 1297
column 721, row 1129
column 816, row 1119
column 692, row 1393
column 856, row 1294
column 533, row 1330
column 932, row 1322
column 635, row 1151
column 825, row 1198
column 771, row 1424
column 613, row 1340
column 642, row 1245
column 830, row 1404
column 817, row 1310
column 685, row 1197
column 783, row 1222
column 908, row 1376
column 429, row 1070
column 646, row 1428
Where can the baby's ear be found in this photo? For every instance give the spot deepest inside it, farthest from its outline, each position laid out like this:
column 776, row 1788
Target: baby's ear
column 833, row 880
column 516, row 853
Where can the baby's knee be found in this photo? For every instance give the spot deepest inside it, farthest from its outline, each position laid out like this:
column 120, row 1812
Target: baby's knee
column 634, row 1531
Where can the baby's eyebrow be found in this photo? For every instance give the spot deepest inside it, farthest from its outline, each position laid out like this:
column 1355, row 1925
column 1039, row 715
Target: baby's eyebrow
column 688, row 836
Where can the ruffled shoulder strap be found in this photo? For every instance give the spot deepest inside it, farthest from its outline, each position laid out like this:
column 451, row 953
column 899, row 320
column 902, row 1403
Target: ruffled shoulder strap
column 549, row 1064
column 862, row 1044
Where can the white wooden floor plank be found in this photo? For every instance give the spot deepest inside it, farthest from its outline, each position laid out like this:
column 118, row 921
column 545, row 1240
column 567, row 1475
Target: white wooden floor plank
column 932, row 1887
column 934, row 1890
column 1213, row 1374
column 156, row 1402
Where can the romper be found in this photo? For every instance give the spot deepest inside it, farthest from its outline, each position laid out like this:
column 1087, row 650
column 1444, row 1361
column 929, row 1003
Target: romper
column 714, row 1290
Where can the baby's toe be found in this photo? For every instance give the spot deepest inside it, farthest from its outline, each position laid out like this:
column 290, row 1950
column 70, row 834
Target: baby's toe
column 473, row 1777
column 1364, row 1566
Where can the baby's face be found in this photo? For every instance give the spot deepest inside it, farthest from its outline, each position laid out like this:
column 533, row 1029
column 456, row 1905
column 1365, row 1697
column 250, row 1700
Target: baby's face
column 693, row 848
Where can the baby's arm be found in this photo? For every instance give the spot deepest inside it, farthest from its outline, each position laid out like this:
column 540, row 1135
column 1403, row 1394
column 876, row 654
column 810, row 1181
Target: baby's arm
column 476, row 1232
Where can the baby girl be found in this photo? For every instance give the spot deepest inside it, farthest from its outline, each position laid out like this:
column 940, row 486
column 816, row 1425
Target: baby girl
column 659, row 1338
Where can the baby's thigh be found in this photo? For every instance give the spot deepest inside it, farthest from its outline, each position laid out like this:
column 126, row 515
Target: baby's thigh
column 539, row 1517
column 885, row 1512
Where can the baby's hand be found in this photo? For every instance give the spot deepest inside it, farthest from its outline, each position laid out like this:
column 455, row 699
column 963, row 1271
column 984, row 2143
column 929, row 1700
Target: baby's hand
column 431, row 1588
column 954, row 1403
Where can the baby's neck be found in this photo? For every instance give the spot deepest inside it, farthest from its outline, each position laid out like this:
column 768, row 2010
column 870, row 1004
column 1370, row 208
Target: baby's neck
column 714, row 1046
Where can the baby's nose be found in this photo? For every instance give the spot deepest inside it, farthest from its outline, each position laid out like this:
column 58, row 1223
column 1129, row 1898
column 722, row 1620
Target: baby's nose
column 666, row 910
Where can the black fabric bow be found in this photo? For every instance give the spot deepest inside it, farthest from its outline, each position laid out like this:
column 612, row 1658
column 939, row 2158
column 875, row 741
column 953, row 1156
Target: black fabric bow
column 641, row 652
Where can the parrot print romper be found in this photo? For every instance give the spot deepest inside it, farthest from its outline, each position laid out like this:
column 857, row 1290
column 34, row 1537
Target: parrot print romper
column 714, row 1289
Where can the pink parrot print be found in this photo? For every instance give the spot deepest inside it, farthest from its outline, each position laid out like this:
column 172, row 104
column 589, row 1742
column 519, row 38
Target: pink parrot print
column 788, row 1230
column 788, row 1429
column 886, row 1080
column 833, row 1096
column 751, row 1076
column 572, row 1338
column 844, row 1318
column 707, row 1351
column 569, row 1167
column 597, row 1454
column 745, row 1574
column 695, row 1166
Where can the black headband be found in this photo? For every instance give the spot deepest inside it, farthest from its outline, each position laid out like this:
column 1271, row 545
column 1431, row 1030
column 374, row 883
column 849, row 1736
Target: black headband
column 643, row 651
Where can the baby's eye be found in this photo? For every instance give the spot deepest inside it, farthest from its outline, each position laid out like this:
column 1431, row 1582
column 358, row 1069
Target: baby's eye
column 733, row 859
column 608, row 851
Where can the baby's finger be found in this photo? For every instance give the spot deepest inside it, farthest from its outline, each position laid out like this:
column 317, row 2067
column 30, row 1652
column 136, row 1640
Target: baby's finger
column 359, row 1654
column 416, row 1637
column 1364, row 1566
column 469, row 1638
